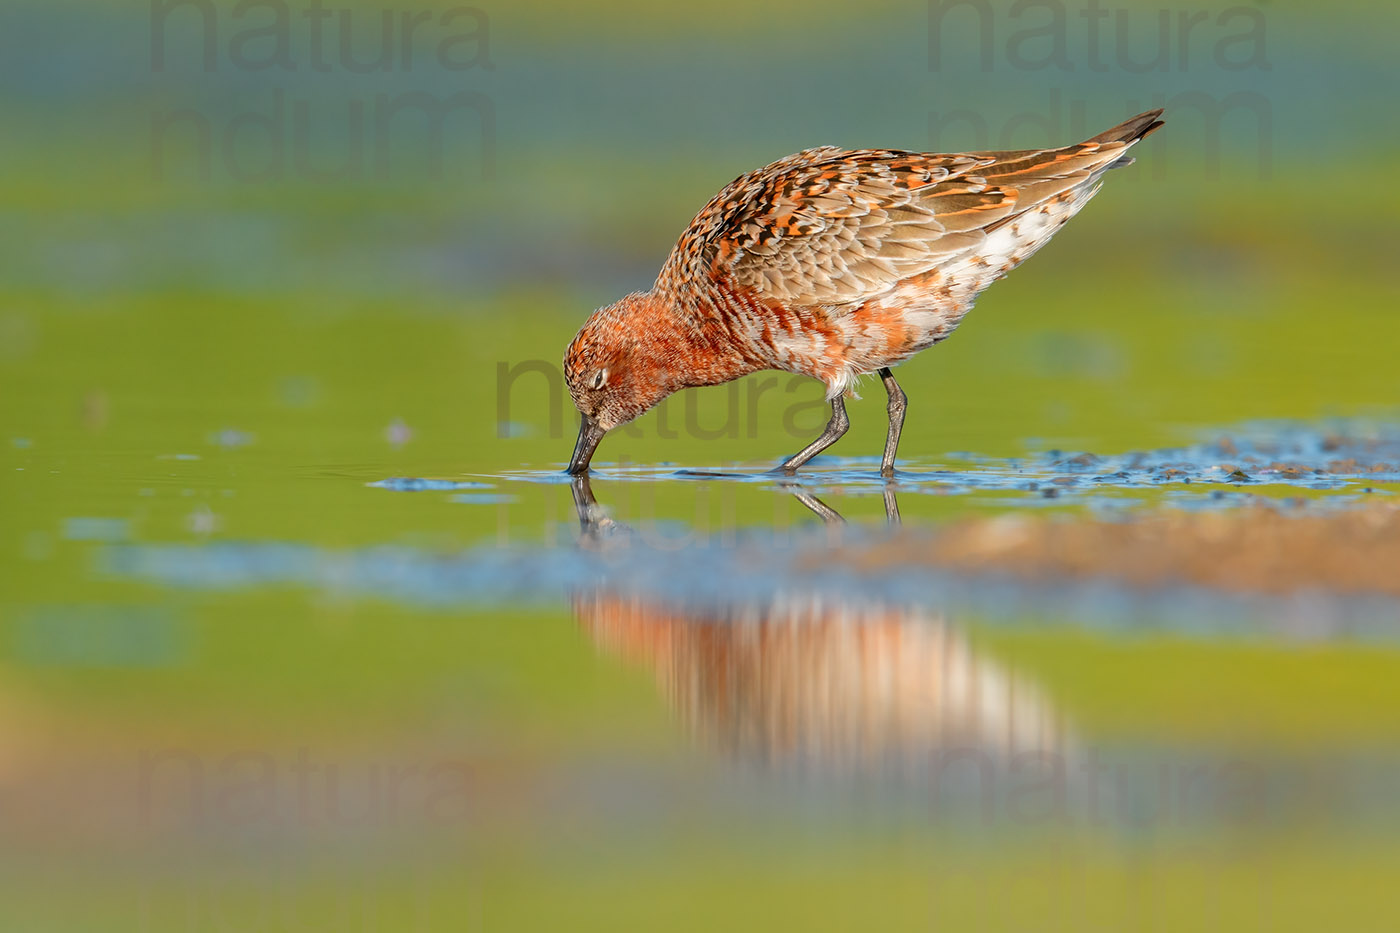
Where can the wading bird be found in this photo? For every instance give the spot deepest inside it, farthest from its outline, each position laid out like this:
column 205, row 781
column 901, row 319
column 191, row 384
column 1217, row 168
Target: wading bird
column 832, row 263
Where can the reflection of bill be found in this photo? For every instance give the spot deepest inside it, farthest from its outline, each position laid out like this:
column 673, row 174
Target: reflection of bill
column 832, row 685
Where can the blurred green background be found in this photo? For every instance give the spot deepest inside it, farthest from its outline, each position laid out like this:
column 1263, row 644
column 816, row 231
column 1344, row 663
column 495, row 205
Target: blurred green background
column 250, row 264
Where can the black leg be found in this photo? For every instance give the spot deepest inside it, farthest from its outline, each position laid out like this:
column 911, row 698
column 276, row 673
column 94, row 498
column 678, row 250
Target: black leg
column 898, row 402
column 834, row 429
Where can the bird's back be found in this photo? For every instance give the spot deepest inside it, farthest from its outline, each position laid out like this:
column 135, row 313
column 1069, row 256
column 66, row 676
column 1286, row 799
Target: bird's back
column 836, row 262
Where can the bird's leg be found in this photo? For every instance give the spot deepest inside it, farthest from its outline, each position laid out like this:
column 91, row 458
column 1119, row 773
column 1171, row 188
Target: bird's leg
column 830, row 435
column 898, row 403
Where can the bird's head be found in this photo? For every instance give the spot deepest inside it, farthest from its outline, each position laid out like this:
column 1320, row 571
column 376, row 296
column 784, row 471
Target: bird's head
column 622, row 362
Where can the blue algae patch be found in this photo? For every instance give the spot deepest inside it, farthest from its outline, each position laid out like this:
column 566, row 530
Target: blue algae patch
column 485, row 498
column 549, row 477
column 413, row 484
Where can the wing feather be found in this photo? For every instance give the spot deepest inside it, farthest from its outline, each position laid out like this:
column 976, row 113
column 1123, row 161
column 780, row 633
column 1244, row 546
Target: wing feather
column 832, row 226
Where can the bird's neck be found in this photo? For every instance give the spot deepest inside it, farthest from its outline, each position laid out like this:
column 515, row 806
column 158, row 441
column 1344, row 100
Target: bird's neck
column 689, row 346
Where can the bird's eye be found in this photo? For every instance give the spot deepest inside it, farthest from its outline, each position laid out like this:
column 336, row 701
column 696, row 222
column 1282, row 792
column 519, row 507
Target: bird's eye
column 600, row 377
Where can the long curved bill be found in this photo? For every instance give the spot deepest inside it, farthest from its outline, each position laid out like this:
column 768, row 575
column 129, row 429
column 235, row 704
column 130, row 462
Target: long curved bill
column 589, row 434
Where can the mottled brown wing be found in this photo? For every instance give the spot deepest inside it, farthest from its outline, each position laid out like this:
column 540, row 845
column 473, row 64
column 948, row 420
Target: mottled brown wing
column 833, row 226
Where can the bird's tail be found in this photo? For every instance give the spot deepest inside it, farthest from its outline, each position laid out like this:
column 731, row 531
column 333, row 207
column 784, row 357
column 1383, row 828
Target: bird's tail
column 1131, row 129
column 1129, row 132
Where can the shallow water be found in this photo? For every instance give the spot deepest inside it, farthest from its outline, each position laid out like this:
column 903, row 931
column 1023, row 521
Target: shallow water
column 351, row 691
column 726, row 555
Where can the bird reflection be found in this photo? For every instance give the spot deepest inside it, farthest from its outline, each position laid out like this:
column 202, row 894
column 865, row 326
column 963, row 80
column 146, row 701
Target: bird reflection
column 828, row 685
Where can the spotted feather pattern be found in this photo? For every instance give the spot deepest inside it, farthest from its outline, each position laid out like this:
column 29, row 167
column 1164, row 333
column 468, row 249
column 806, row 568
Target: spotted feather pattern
column 831, row 226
